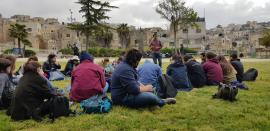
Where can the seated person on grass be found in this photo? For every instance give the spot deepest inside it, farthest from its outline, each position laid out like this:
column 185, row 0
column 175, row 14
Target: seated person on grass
column 71, row 64
column 195, row 71
column 229, row 73
column 5, row 83
column 238, row 66
column 50, row 65
column 212, row 69
column 127, row 91
column 87, row 79
column 149, row 74
column 19, row 72
column 32, row 90
column 178, row 72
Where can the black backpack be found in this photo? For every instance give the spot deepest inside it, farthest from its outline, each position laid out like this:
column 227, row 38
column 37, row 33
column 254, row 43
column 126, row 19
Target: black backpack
column 59, row 106
column 226, row 92
column 167, row 89
column 250, row 75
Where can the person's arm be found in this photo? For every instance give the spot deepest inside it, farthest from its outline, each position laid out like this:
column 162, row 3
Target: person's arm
column 46, row 67
column 129, row 82
column 2, row 86
column 168, row 71
column 102, row 78
column 146, row 88
column 57, row 66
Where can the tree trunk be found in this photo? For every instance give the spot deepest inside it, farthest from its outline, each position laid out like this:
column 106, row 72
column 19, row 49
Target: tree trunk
column 174, row 38
column 87, row 42
column 19, row 46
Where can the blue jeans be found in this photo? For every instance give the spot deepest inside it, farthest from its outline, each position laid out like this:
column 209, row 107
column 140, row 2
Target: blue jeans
column 157, row 57
column 144, row 99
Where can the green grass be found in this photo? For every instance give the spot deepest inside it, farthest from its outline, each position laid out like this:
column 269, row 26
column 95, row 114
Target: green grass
column 195, row 110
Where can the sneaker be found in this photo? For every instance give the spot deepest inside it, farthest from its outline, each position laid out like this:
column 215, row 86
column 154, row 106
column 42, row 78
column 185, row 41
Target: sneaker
column 170, row 101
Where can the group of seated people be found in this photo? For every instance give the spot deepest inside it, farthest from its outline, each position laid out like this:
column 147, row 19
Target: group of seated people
column 131, row 85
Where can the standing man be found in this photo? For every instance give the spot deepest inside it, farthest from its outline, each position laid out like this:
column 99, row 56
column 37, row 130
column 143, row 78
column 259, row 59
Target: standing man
column 156, row 46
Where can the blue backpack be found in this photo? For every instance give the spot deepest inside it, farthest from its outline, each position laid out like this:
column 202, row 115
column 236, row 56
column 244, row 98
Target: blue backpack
column 97, row 103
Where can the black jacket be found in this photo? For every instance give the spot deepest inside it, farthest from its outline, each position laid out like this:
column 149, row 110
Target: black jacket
column 196, row 74
column 48, row 67
column 30, row 93
column 238, row 66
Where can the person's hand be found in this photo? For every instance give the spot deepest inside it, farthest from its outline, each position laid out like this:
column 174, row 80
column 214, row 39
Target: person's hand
column 147, row 88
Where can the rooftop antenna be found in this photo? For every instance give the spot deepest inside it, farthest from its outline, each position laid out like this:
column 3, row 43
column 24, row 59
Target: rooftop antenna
column 71, row 19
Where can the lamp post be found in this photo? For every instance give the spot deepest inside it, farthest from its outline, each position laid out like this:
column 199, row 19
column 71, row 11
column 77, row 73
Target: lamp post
column 174, row 32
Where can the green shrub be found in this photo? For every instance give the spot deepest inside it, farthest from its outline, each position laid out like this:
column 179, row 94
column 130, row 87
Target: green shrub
column 188, row 50
column 8, row 51
column 66, row 51
column 94, row 52
column 28, row 53
column 166, row 50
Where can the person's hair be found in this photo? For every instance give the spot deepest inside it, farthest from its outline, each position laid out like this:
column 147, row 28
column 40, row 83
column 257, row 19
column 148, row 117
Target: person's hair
column 32, row 66
column 133, row 57
column 225, row 65
column 187, row 58
column 203, row 54
column 210, row 55
column 13, row 62
column 177, row 58
column 32, row 58
column 51, row 56
column 4, row 64
column 2, row 56
column 104, row 62
column 234, row 56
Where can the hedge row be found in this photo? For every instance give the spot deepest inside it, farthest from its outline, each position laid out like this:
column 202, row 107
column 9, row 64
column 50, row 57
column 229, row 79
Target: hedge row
column 27, row 53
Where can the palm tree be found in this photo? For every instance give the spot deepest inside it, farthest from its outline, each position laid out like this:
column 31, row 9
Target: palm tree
column 19, row 32
column 265, row 40
column 124, row 35
column 104, row 36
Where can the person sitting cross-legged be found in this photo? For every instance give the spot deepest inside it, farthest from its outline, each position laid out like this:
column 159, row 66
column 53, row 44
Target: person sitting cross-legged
column 87, row 79
column 178, row 72
column 30, row 95
column 149, row 74
column 127, row 91
column 212, row 69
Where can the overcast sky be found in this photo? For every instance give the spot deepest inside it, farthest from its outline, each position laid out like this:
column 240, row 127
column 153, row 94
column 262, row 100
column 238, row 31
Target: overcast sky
column 142, row 12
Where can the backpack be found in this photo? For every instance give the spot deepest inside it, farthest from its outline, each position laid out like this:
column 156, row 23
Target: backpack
column 167, row 89
column 226, row 92
column 96, row 104
column 250, row 75
column 59, row 106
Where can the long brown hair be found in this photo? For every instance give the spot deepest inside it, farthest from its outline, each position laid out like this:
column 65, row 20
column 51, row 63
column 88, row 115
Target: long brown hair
column 32, row 66
column 225, row 65
column 13, row 62
column 4, row 64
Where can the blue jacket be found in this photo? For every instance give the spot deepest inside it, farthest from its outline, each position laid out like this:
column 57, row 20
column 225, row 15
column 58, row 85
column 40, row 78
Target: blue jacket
column 178, row 72
column 149, row 73
column 124, row 82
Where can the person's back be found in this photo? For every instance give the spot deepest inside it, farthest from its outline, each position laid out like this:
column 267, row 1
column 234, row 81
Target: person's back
column 149, row 73
column 124, row 74
column 196, row 73
column 213, row 71
column 88, row 79
column 238, row 66
column 4, row 83
column 30, row 93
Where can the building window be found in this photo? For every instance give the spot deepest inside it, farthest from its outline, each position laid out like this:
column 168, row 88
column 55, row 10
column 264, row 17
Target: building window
column 185, row 41
column 198, row 30
column 68, row 35
column 171, row 43
column 29, row 29
column 185, row 30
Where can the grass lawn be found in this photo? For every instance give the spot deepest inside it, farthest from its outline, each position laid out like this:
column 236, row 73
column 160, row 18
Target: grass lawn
column 195, row 110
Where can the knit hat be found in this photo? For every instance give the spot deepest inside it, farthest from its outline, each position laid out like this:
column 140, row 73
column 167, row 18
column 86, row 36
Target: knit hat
column 86, row 56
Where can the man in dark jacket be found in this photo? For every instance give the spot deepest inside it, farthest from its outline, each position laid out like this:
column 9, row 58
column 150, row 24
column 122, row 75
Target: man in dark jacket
column 195, row 72
column 238, row 66
column 178, row 72
column 28, row 101
column 72, row 63
column 51, row 65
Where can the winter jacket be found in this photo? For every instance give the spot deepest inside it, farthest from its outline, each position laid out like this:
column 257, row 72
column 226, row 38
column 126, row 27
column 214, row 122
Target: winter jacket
column 5, row 83
column 178, row 72
column 213, row 71
column 149, row 73
column 238, row 66
column 124, row 82
column 48, row 67
column 29, row 96
column 87, row 80
column 196, row 73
